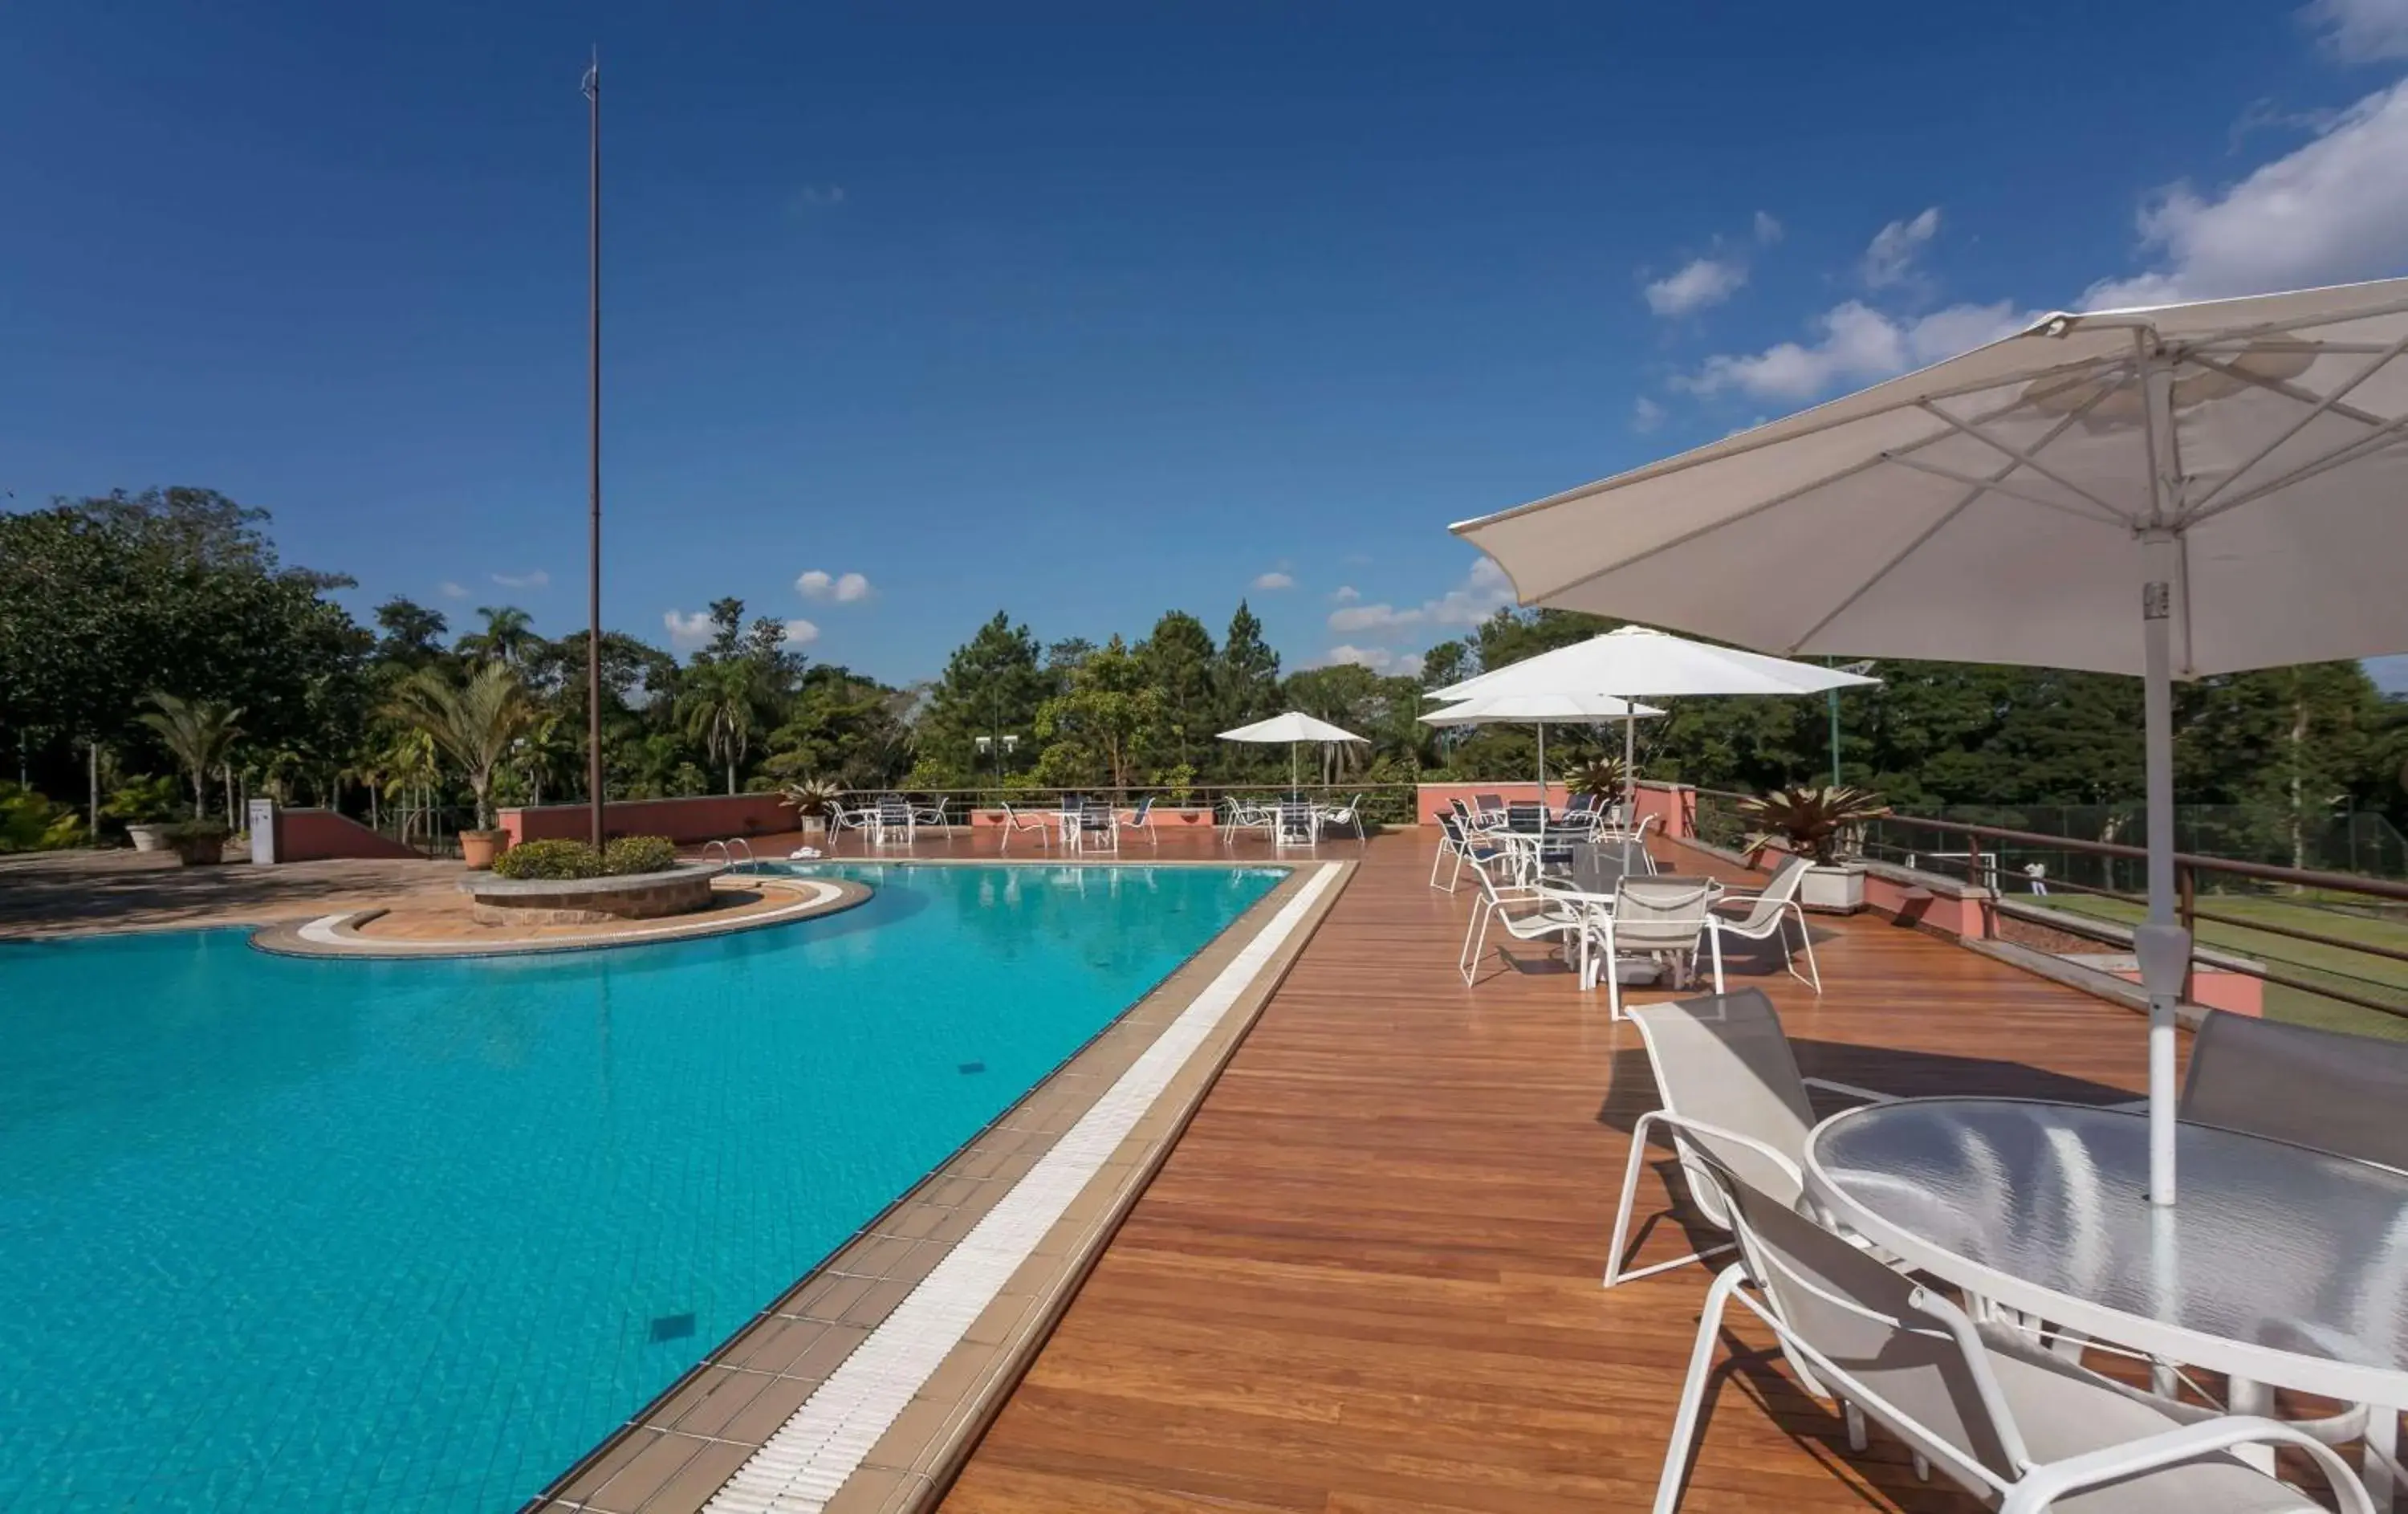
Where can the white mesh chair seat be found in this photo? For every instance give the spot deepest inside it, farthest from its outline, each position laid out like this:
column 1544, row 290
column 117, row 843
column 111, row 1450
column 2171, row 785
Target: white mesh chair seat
column 1665, row 918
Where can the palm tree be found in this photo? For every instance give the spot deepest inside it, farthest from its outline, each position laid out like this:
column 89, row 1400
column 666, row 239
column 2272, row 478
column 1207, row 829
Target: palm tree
column 721, row 709
column 199, row 732
column 509, row 635
column 474, row 723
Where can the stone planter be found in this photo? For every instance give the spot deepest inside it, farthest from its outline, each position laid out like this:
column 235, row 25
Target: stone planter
column 478, row 848
column 1833, row 891
column 813, row 825
column 197, row 847
column 146, row 838
column 634, row 896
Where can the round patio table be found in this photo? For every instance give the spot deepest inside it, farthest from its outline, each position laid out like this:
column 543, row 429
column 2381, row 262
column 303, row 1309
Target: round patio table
column 2279, row 1265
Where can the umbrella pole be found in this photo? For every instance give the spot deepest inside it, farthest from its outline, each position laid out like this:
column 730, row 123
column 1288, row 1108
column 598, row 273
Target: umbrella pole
column 2162, row 945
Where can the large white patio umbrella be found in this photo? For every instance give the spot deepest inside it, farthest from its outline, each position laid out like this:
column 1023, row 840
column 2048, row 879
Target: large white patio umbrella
column 2174, row 491
column 1635, row 662
column 1540, row 710
column 1291, row 727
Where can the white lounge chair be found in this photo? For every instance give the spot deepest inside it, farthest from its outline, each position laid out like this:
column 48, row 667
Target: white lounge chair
column 1729, row 1081
column 1527, row 915
column 1983, row 1405
column 1014, row 823
column 1769, row 911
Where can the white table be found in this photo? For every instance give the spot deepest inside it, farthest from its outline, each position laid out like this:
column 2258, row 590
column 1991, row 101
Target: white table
column 2280, row 1265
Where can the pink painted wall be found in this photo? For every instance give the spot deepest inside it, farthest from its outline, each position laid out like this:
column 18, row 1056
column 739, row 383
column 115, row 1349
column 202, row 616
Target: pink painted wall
column 1675, row 805
column 708, row 817
column 1168, row 819
column 2217, row 988
column 1969, row 917
column 314, row 835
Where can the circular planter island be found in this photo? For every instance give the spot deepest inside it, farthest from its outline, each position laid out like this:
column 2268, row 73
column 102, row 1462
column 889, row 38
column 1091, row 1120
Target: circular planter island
column 632, row 896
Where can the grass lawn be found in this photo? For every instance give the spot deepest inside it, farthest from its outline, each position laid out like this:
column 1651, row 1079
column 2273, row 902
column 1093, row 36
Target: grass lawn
column 2373, row 978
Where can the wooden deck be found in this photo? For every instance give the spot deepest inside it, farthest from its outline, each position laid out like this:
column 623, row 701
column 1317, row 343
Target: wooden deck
column 1367, row 1279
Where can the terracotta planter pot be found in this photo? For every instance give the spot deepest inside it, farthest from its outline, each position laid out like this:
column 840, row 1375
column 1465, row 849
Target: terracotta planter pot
column 478, row 848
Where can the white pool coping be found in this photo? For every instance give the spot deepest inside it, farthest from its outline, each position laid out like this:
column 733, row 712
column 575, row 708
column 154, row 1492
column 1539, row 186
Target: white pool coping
column 337, row 932
column 829, row 1438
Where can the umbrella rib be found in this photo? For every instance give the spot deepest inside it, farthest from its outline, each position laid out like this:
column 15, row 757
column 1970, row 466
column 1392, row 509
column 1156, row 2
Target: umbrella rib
column 1999, row 486
column 2331, row 401
column 2025, row 458
column 2292, row 391
column 2348, row 453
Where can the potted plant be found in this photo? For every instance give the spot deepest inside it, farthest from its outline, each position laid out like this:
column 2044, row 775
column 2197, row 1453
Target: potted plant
column 1603, row 779
column 476, row 723
column 811, row 798
column 144, row 806
column 1809, row 823
column 196, row 843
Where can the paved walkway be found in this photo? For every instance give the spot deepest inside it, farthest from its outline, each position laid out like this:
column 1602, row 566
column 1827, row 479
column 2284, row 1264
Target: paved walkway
column 51, row 893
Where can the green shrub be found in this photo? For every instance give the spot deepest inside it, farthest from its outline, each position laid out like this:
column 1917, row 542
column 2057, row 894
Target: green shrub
column 147, row 801
column 549, row 859
column 31, row 823
column 639, row 853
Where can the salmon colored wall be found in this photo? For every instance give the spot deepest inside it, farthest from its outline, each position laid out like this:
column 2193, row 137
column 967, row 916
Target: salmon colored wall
column 1966, row 916
column 314, row 835
column 2217, row 988
column 1673, row 805
column 708, row 817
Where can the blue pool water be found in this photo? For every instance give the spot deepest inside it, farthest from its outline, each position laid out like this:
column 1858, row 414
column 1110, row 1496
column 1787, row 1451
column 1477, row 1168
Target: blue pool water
column 278, row 1234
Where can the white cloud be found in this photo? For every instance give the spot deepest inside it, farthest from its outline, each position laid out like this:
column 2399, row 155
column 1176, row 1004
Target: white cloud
column 1855, row 344
column 1347, row 594
column 1702, row 282
column 844, row 588
column 522, row 580
column 1645, row 415
column 819, row 197
column 1274, row 580
column 453, row 591
column 1890, row 258
column 1768, row 230
column 1378, row 658
column 800, row 633
column 1484, row 591
column 2360, row 31
column 2333, row 212
column 687, row 630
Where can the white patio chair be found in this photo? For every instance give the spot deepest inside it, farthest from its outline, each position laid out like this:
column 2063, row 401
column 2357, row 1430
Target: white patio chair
column 1729, row 1081
column 1349, row 814
column 1990, row 1409
column 1457, row 844
column 857, row 818
column 1294, row 823
column 1098, row 827
column 1015, row 824
column 893, row 822
column 1140, row 818
column 1769, row 909
column 1663, row 919
column 1526, row 914
column 933, row 814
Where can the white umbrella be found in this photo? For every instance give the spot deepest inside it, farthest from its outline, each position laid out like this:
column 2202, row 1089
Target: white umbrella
column 1635, row 662
column 2226, row 474
column 1291, row 727
column 1539, row 710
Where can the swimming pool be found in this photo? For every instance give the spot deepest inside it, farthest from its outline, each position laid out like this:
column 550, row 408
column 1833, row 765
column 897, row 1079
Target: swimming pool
column 278, row 1234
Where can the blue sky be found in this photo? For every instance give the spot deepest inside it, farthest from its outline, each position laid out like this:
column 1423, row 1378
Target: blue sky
column 1086, row 311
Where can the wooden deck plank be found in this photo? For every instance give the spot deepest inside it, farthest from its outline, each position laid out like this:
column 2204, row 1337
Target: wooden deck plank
column 1366, row 1279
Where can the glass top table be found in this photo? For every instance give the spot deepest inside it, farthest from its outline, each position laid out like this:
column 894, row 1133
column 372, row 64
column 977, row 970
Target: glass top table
column 2279, row 1265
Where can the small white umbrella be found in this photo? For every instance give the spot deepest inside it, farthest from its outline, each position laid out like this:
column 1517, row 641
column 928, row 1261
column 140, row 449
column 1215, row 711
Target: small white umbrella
column 1635, row 662
column 2227, row 474
column 1291, row 727
column 1539, row 710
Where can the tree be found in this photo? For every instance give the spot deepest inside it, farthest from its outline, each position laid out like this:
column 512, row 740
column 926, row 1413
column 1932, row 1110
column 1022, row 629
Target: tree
column 721, row 707
column 1246, row 677
column 1178, row 658
column 475, row 723
column 1106, row 722
column 509, row 635
column 412, row 634
column 992, row 686
column 199, row 733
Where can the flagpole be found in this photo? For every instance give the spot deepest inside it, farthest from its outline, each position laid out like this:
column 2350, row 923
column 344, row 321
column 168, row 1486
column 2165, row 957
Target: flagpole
column 593, row 89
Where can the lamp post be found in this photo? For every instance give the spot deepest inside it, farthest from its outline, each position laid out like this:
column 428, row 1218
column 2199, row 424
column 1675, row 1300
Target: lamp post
column 592, row 91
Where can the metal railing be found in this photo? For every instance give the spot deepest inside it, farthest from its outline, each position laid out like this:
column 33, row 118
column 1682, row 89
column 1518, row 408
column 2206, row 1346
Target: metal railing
column 2353, row 928
column 1384, row 803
